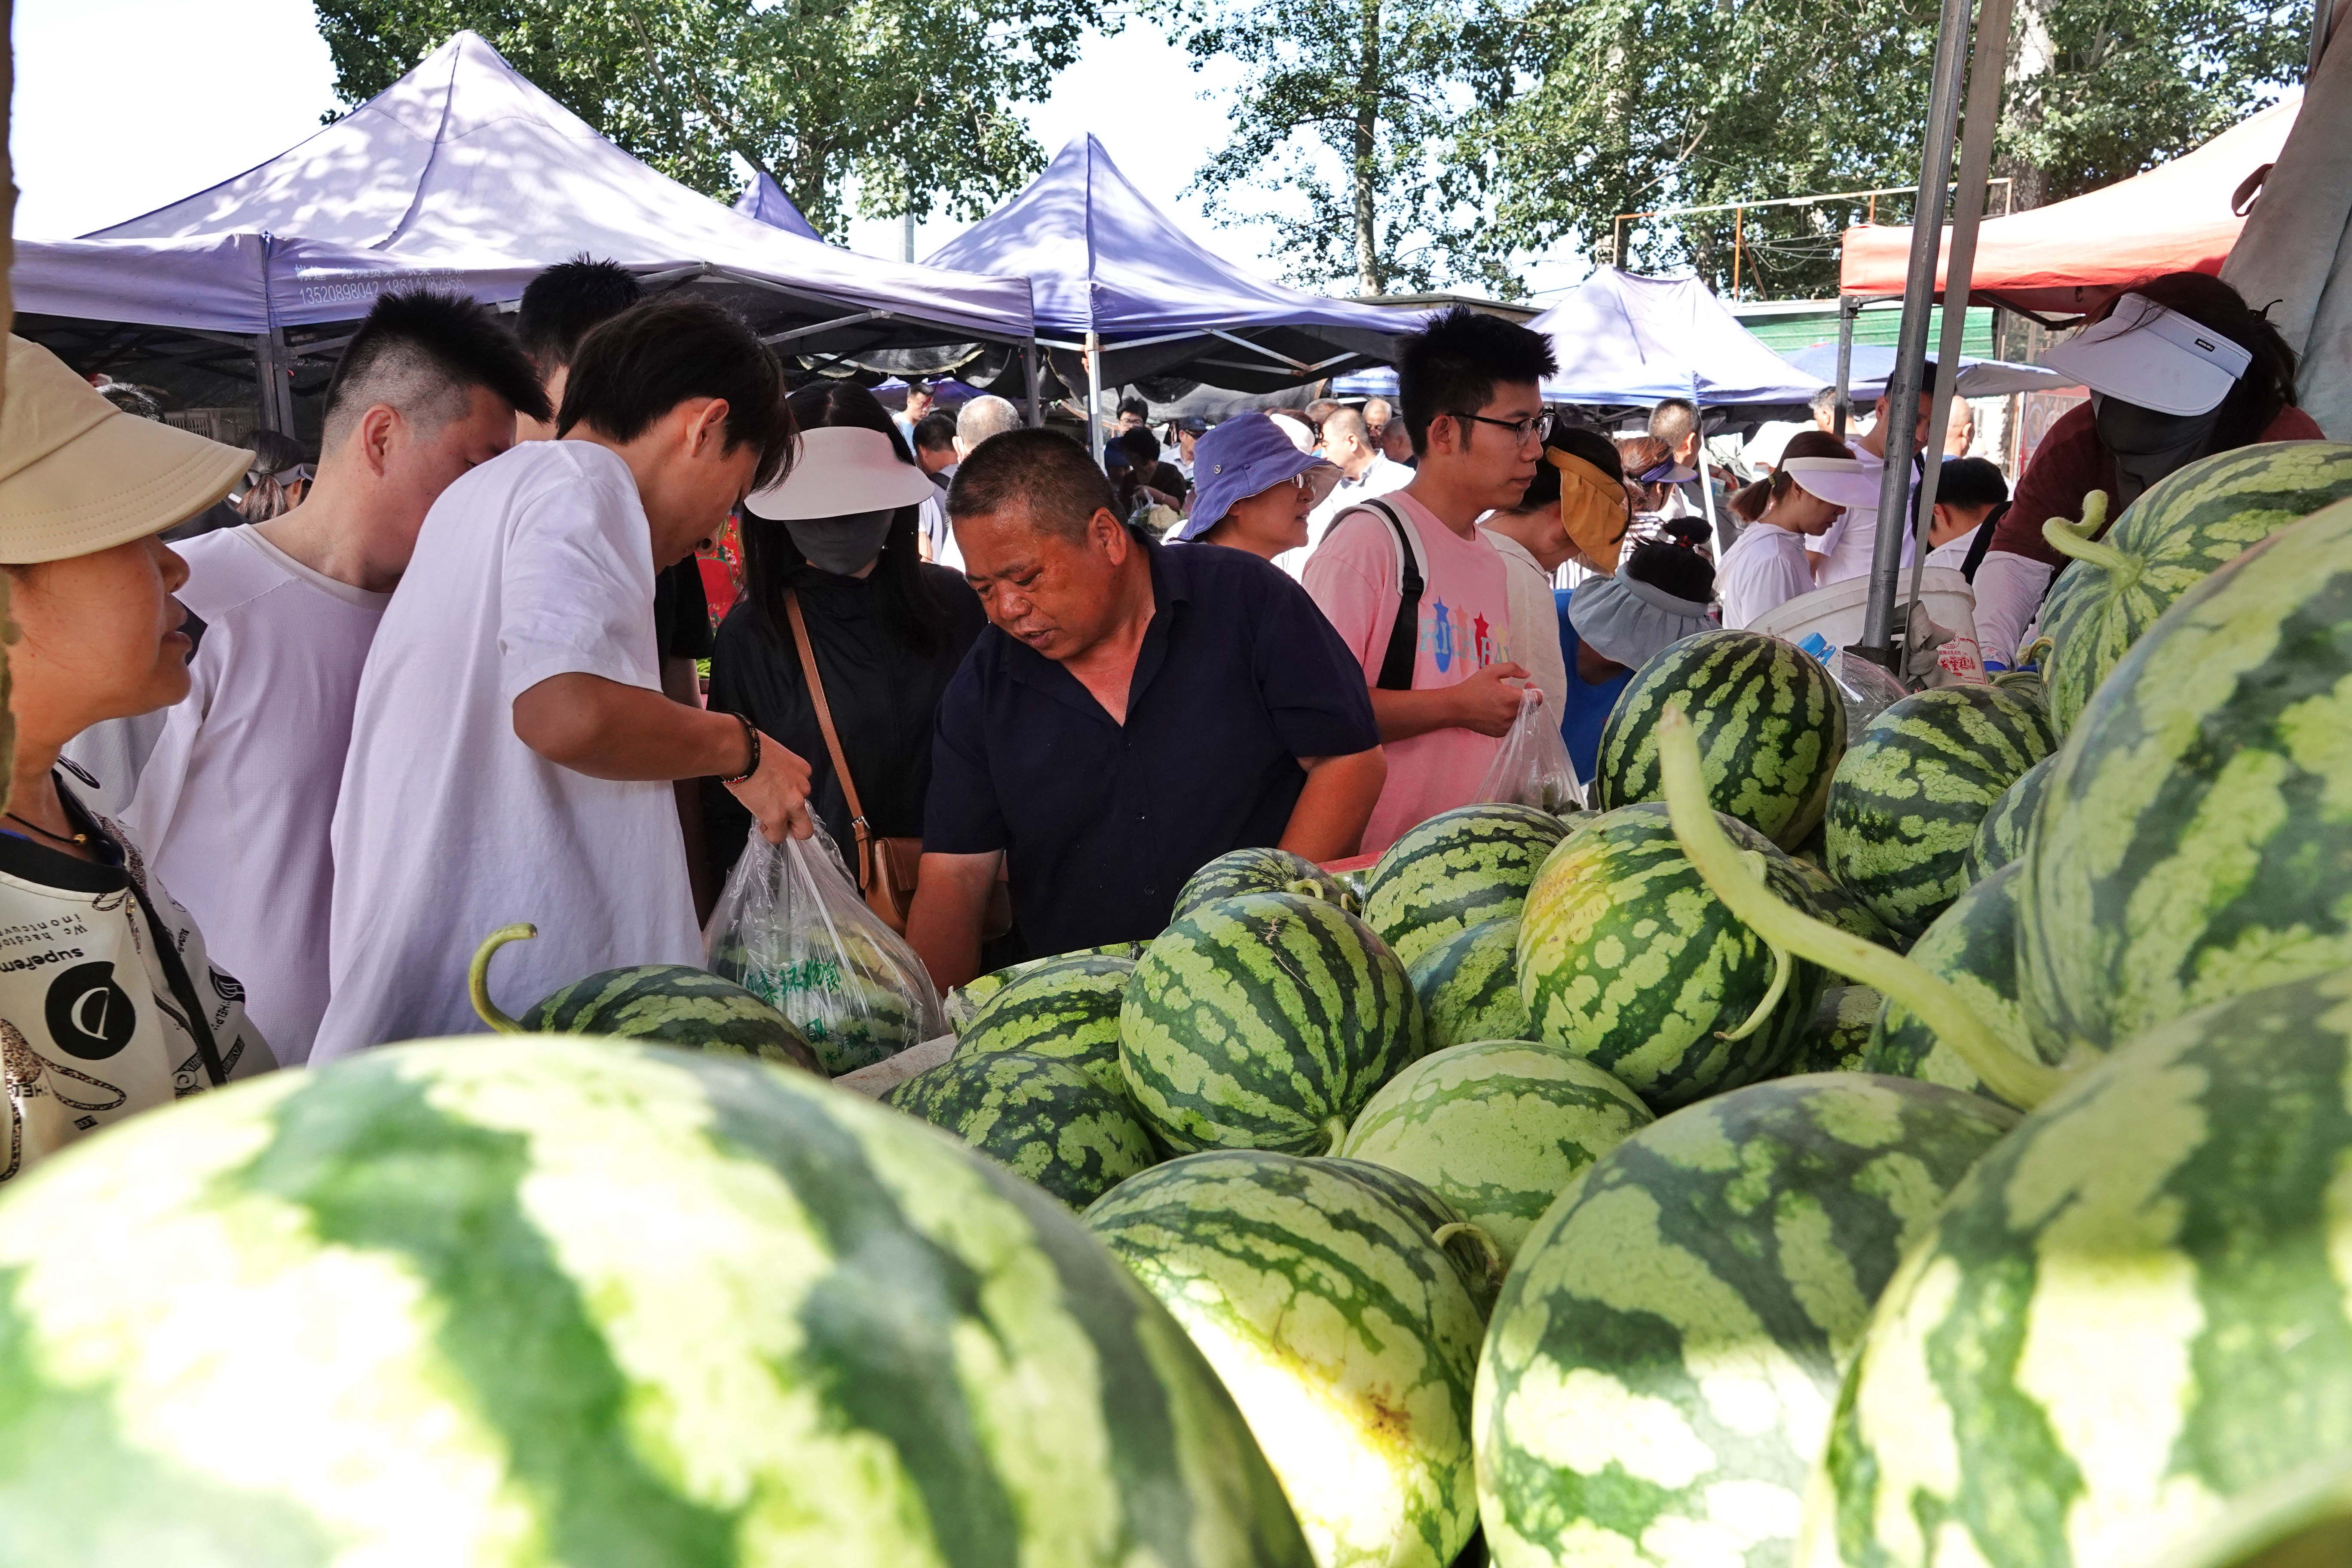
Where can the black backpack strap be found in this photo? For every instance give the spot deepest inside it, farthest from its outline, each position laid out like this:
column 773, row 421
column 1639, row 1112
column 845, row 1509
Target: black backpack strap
column 1405, row 635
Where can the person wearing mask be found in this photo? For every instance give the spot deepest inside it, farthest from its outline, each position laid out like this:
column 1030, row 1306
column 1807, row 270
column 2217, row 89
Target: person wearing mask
column 1257, row 488
column 234, row 800
column 1434, row 643
column 1574, row 510
column 1970, row 495
column 513, row 754
column 2180, row 367
column 831, row 577
column 1610, row 626
column 1133, row 712
column 1818, row 479
column 1363, row 471
column 109, row 1003
column 1845, row 551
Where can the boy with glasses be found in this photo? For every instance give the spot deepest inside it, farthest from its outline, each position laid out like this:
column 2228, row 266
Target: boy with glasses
column 1418, row 595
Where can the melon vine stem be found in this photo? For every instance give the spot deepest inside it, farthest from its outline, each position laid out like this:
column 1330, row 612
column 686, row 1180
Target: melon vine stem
column 1490, row 1256
column 1781, row 969
column 478, row 976
column 2022, row 1083
column 2074, row 540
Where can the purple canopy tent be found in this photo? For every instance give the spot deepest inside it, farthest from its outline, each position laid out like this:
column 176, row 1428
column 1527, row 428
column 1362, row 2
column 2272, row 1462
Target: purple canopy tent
column 763, row 201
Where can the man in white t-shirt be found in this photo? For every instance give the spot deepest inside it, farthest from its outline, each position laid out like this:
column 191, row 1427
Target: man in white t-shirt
column 234, row 801
column 1845, row 550
column 1364, row 472
column 512, row 753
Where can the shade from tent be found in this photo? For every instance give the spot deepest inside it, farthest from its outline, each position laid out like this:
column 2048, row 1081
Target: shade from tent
column 1101, row 259
column 2061, row 259
column 465, row 174
column 763, row 201
column 1873, row 363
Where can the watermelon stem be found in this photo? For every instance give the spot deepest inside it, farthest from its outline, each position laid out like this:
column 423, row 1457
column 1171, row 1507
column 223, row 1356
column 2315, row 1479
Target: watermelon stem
column 478, row 976
column 2022, row 1083
column 2074, row 540
column 1336, row 1128
column 1781, row 969
column 1493, row 1254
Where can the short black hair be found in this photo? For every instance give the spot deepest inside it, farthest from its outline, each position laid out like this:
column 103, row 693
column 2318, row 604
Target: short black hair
column 1670, row 568
column 1139, row 445
column 936, row 433
column 1044, row 469
column 569, row 300
column 1453, row 364
column 423, row 350
column 1134, row 406
column 649, row 358
column 1971, row 482
column 1672, row 419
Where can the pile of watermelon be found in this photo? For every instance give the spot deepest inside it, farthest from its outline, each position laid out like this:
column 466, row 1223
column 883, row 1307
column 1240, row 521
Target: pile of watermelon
column 1918, row 1146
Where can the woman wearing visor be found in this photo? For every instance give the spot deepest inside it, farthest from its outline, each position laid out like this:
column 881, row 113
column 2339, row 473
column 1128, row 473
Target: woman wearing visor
column 1252, row 488
column 1817, row 480
column 2180, row 368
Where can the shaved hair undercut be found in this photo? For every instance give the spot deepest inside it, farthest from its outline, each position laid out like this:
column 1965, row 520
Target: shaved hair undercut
column 1674, row 420
column 423, row 352
column 1044, row 470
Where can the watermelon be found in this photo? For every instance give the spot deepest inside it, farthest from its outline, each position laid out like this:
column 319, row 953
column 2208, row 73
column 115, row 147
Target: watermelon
column 1833, row 901
column 669, row 1002
column 1972, row 945
column 569, row 1301
column 1460, row 868
column 1913, row 791
column 1627, row 960
column 1264, row 1022
column 1045, row 1120
column 1067, row 1009
column 1771, row 728
column 1839, row 1034
column 1239, row 871
column 856, row 1004
column 2303, row 1522
column 1345, row 1336
column 2007, row 828
column 2171, row 539
column 1477, row 1260
column 1496, row 1129
column 964, row 1000
column 2196, row 841
column 1469, row 987
column 2131, row 1312
column 1660, row 1371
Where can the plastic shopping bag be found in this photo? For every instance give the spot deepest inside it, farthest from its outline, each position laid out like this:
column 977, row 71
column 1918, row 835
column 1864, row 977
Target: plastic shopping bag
column 792, row 929
column 1533, row 766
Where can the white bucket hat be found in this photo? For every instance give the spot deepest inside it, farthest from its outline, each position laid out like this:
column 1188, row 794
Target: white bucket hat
column 2152, row 356
column 842, row 469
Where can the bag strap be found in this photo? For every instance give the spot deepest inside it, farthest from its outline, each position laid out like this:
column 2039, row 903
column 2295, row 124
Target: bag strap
column 824, row 721
column 1404, row 632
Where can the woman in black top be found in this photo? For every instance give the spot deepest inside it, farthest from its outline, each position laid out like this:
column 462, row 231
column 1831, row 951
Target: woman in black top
column 887, row 629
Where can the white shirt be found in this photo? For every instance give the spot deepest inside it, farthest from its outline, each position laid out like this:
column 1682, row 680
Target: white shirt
column 932, row 523
column 1382, row 478
column 233, row 803
column 1847, row 548
column 1533, row 611
column 1952, row 554
column 1762, row 571
column 538, row 564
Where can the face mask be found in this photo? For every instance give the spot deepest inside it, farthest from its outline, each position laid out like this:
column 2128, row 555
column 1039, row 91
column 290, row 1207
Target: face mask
column 2148, row 445
column 843, row 546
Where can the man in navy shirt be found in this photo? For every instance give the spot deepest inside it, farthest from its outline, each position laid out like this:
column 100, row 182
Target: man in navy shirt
column 1131, row 712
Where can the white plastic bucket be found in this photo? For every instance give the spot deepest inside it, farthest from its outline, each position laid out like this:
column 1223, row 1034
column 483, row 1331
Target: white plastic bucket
column 1835, row 615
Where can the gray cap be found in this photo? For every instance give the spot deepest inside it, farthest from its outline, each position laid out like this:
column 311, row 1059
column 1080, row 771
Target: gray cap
column 1630, row 622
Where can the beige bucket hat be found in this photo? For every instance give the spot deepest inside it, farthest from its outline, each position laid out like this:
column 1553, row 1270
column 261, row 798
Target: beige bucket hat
column 79, row 476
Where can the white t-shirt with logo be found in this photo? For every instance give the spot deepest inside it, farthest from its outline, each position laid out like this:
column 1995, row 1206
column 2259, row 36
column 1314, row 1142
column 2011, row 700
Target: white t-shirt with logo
column 233, row 803
column 538, row 564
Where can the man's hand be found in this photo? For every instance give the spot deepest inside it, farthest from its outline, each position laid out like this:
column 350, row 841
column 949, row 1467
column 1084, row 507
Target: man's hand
column 1488, row 701
column 777, row 794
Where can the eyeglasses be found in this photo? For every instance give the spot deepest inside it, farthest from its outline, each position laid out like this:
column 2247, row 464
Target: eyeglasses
column 1532, row 428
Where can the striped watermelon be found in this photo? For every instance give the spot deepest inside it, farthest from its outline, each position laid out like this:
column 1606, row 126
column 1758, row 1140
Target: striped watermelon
column 2170, row 540
column 1839, row 1034
column 1770, row 730
column 2304, row 1521
column 2196, row 842
column 1496, row 1129
column 1478, row 1261
column 582, row 1302
column 1626, row 959
column 1264, row 1022
column 1239, row 871
column 856, row 1006
column 2133, row 1311
column 1345, row 1336
column 1044, row 1120
column 1914, row 788
column 2007, row 828
column 964, row 1000
column 1067, row 1009
column 1973, row 945
column 668, row 1003
column 1460, row 868
column 1469, row 987
column 1833, row 901
column 1661, row 1369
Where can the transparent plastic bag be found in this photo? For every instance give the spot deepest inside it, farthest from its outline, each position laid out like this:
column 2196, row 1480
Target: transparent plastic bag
column 792, row 929
column 1533, row 766
column 1869, row 689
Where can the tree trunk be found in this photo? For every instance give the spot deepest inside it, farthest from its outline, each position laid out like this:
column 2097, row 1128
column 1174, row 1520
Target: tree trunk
column 1368, row 83
column 2031, row 54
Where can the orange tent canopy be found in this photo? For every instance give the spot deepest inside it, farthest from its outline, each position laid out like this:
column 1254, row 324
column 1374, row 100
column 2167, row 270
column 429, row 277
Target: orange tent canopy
column 2061, row 260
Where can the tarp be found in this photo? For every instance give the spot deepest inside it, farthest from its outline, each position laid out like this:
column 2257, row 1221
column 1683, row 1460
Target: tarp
column 1100, row 257
column 1873, row 363
column 2061, row 259
column 763, row 201
column 463, row 174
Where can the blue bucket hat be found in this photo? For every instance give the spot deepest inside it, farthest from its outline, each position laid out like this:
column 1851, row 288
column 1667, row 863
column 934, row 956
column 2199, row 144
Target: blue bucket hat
column 1239, row 458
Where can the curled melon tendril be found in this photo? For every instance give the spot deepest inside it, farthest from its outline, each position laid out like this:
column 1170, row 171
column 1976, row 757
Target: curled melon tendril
column 1781, row 967
column 1490, row 1256
column 1935, row 1000
column 2078, row 541
column 1335, row 1128
column 478, row 976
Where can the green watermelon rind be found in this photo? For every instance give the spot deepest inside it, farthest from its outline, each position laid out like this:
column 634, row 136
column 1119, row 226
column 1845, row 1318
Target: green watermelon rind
column 2008, row 827
column 1469, row 987
column 1972, row 947
column 676, row 1005
column 1067, row 1009
column 1460, row 868
column 1047, row 1121
column 1257, row 870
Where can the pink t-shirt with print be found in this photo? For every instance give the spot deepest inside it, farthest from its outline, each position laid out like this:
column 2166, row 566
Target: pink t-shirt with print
column 1465, row 625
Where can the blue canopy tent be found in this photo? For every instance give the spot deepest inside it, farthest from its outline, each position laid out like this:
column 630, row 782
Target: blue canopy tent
column 763, row 201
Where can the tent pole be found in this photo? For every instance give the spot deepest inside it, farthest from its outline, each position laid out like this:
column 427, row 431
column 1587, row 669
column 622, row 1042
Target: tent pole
column 1901, row 431
column 1848, row 307
column 1094, row 396
column 1967, row 208
column 1029, row 357
column 276, row 375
